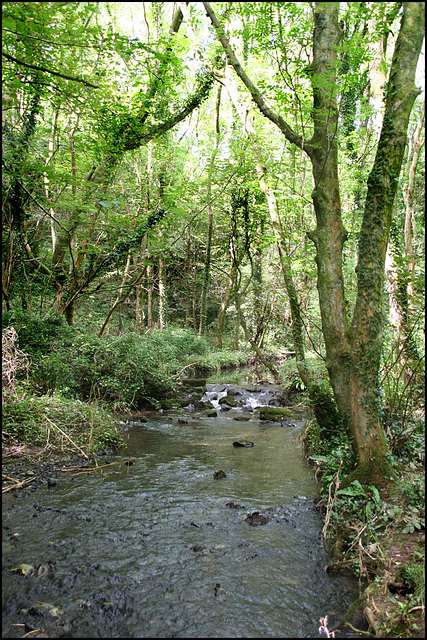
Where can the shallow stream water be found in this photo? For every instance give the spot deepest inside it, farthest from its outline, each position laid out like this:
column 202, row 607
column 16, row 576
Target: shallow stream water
column 162, row 549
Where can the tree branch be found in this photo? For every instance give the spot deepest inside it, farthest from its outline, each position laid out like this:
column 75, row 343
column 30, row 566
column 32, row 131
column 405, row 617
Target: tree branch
column 201, row 93
column 54, row 73
column 257, row 97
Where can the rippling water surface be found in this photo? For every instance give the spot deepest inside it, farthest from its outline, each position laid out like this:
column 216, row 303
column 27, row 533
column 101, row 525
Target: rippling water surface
column 157, row 550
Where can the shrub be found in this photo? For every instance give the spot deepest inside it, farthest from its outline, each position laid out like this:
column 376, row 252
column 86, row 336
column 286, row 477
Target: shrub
column 35, row 333
column 88, row 425
column 127, row 371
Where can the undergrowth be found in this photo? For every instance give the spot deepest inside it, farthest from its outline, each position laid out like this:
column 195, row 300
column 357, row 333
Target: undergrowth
column 363, row 523
column 56, row 423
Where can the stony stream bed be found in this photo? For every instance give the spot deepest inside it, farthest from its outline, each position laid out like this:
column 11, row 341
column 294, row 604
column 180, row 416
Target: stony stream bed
column 167, row 547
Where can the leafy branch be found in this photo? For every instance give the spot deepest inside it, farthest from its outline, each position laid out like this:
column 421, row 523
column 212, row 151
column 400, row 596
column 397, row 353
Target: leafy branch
column 53, row 73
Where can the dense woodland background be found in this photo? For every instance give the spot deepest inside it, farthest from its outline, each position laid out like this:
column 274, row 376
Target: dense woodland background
column 151, row 207
column 192, row 189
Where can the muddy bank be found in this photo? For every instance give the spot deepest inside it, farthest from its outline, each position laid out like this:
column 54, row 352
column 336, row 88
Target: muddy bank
column 23, row 475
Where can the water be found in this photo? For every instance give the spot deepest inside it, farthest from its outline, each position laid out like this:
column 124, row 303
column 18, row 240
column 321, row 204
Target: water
column 158, row 550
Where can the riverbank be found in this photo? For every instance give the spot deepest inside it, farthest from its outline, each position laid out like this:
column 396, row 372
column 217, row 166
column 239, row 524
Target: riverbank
column 25, row 468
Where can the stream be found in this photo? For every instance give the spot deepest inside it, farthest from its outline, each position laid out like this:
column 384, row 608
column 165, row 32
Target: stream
column 161, row 548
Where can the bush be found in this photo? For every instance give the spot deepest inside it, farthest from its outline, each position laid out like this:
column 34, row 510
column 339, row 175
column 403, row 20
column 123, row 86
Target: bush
column 35, row 333
column 127, row 371
column 88, row 425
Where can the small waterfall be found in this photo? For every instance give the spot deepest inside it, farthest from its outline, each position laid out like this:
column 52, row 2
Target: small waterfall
column 214, row 393
column 249, row 397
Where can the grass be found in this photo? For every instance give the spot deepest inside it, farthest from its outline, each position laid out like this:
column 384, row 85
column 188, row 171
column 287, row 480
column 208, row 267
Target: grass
column 54, row 423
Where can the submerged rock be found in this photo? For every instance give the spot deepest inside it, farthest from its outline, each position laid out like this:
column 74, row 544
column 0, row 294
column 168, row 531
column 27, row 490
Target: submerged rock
column 243, row 443
column 198, row 548
column 233, row 505
column 256, row 519
column 219, row 474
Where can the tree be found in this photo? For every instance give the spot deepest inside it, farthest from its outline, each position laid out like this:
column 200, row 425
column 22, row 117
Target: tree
column 353, row 350
column 121, row 127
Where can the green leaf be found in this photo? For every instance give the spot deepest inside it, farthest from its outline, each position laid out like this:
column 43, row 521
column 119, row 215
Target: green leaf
column 350, row 491
column 319, row 458
column 376, row 495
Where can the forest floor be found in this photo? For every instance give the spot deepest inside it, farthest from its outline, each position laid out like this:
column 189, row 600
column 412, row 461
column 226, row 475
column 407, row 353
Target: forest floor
column 388, row 609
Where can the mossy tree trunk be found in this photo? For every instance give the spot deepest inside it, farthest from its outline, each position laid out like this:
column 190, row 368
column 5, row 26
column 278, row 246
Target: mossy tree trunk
column 207, row 269
column 367, row 326
column 329, row 235
column 353, row 351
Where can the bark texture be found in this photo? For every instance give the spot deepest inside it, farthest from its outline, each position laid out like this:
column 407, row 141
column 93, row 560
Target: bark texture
column 367, row 326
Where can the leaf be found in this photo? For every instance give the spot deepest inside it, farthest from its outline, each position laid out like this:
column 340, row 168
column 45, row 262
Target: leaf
column 376, row 495
column 350, row 491
column 24, row 569
column 8, row 23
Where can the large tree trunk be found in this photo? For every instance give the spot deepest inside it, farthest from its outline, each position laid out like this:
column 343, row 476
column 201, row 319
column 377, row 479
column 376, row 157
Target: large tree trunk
column 353, row 356
column 329, row 235
column 367, row 327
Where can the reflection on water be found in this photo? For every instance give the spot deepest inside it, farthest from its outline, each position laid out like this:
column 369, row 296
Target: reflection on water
column 153, row 550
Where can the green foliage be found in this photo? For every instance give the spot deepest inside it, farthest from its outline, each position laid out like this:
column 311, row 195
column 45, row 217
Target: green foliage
column 129, row 371
column 413, row 576
column 35, row 333
column 331, row 454
column 413, row 491
column 216, row 362
column 88, row 425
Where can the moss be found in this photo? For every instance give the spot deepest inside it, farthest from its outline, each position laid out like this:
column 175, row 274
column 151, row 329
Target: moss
column 354, row 614
column 378, row 473
column 325, row 410
column 230, row 401
column 274, row 413
column 173, row 403
column 198, row 383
